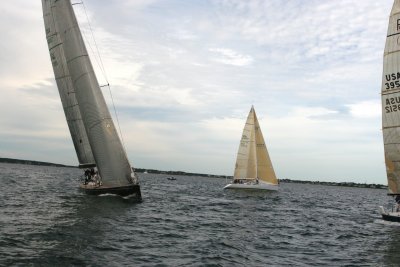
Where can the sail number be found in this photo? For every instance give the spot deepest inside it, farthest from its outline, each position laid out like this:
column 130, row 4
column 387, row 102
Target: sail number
column 392, row 85
column 392, row 80
column 392, row 104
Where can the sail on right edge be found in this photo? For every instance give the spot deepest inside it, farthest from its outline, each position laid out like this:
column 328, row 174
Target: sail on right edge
column 391, row 100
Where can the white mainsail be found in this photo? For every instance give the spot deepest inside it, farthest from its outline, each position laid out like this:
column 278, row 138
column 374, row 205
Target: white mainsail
column 253, row 160
column 391, row 100
column 68, row 53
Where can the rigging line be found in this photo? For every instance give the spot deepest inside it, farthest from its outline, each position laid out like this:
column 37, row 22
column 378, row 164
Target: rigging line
column 116, row 116
column 95, row 43
column 96, row 56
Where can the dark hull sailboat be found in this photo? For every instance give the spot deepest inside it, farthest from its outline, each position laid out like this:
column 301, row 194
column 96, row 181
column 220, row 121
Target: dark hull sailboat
column 92, row 129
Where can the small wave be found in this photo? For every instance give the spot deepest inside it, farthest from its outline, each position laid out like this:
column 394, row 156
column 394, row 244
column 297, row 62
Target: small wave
column 381, row 221
column 108, row 194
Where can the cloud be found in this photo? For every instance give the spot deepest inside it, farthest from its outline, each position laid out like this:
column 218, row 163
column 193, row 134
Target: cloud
column 366, row 109
column 230, row 57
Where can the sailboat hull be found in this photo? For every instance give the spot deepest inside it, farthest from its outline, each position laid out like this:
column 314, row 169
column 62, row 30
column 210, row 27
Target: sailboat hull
column 389, row 216
column 128, row 190
column 259, row 186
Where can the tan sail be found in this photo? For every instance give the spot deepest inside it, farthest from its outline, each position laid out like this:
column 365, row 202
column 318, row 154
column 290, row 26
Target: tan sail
column 265, row 171
column 253, row 160
column 391, row 100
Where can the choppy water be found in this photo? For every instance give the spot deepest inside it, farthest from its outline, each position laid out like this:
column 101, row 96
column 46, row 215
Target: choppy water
column 45, row 220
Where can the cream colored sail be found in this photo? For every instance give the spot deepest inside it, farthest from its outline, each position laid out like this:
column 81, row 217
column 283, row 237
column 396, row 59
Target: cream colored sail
column 253, row 160
column 246, row 157
column 265, row 171
column 391, row 100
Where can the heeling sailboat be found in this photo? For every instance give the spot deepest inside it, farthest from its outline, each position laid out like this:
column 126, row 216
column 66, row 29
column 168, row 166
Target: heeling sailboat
column 391, row 110
column 253, row 169
column 95, row 138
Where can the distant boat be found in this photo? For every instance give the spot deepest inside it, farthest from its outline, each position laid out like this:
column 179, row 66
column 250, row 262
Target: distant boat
column 96, row 141
column 171, row 178
column 391, row 112
column 253, row 169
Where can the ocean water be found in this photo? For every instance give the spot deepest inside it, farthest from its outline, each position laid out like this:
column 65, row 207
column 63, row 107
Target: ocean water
column 46, row 221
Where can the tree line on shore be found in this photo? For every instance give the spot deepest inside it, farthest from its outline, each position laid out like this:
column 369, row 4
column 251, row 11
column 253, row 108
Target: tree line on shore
column 153, row 171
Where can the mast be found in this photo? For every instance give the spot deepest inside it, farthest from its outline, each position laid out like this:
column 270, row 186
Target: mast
column 108, row 152
column 391, row 101
column 66, row 90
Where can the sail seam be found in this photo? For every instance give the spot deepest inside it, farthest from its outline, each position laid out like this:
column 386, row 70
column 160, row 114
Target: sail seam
column 393, row 34
column 390, row 92
column 51, row 48
column 389, row 127
column 63, row 77
column 72, row 59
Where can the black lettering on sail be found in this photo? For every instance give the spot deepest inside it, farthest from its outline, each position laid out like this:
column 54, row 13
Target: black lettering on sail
column 398, row 24
column 387, row 76
column 387, row 102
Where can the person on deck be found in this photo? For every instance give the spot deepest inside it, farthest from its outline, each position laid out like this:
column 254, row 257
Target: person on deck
column 87, row 176
column 397, row 199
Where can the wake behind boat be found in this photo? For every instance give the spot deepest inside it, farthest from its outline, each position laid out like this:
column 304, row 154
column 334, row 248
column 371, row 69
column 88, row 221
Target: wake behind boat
column 253, row 169
column 96, row 141
column 390, row 92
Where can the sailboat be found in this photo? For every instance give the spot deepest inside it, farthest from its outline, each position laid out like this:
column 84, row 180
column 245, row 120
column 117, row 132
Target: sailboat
column 97, row 144
column 391, row 111
column 253, row 169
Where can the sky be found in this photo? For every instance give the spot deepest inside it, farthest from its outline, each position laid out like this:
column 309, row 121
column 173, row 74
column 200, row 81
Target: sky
column 184, row 75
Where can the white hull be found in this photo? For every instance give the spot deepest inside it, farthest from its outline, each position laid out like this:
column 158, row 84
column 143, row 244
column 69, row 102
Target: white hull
column 259, row 186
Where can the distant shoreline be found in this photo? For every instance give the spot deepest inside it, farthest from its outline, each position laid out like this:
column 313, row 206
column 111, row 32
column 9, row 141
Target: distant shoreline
column 139, row 170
